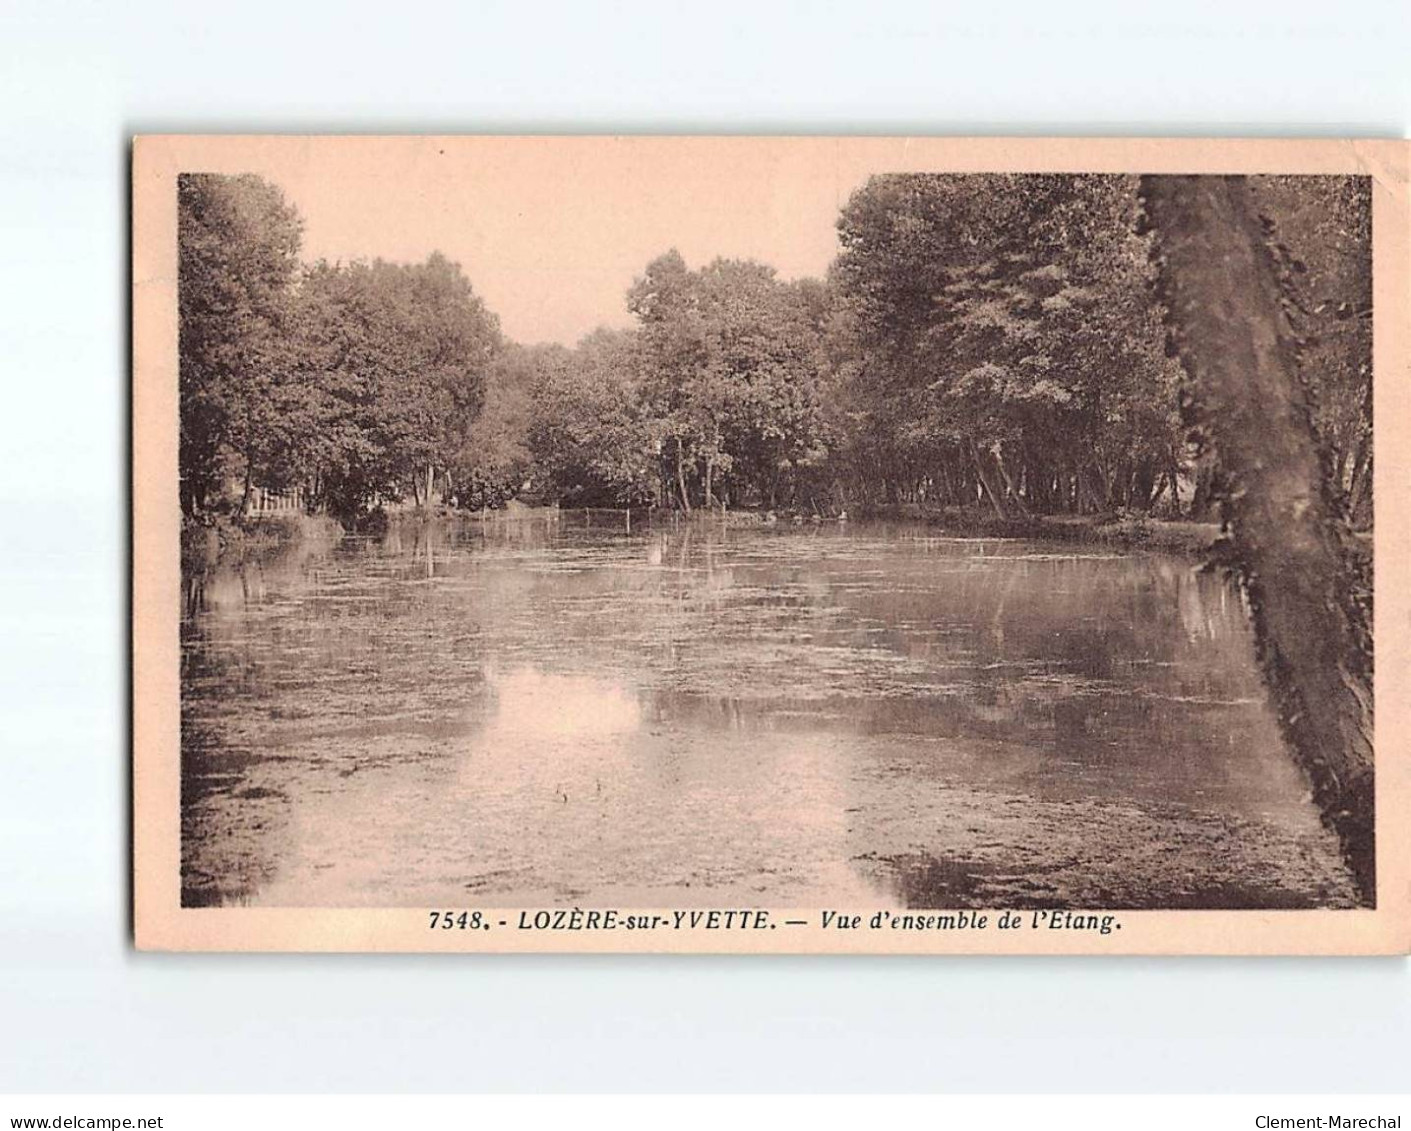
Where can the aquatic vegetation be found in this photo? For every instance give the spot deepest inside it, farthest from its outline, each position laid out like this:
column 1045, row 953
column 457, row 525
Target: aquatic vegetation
column 868, row 713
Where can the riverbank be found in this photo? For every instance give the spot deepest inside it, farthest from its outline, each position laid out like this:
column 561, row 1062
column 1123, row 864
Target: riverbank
column 1127, row 532
column 205, row 543
column 1121, row 532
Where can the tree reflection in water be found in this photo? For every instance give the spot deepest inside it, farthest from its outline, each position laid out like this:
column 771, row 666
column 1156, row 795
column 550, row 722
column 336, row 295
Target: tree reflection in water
column 529, row 713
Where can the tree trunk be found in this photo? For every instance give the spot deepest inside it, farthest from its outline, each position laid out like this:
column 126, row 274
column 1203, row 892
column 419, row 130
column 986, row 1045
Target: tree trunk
column 245, row 495
column 1088, row 500
column 1359, row 489
column 1011, row 490
column 991, row 488
column 1104, row 478
column 1154, row 497
column 1291, row 547
column 947, row 492
column 681, row 477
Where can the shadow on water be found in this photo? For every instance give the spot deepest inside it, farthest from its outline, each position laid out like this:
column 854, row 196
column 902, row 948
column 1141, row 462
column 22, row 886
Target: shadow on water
column 540, row 712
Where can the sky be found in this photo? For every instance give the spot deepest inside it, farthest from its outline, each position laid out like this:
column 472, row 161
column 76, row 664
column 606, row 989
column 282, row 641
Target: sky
column 552, row 232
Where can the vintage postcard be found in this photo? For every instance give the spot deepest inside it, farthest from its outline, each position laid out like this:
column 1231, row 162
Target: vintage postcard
column 771, row 545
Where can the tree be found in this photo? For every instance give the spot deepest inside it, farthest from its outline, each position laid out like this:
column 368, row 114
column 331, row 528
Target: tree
column 495, row 461
column 732, row 361
column 758, row 389
column 1008, row 339
column 594, row 443
column 1291, row 546
column 237, row 248
column 666, row 304
column 396, row 357
column 1320, row 232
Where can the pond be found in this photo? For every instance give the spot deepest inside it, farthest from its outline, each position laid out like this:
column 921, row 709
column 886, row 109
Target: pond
column 543, row 713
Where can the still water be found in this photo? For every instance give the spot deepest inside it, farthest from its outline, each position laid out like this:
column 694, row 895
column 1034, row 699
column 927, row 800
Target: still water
column 536, row 714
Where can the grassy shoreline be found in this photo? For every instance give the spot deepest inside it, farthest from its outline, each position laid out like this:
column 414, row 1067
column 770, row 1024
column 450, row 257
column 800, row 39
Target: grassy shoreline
column 1137, row 532
column 203, row 544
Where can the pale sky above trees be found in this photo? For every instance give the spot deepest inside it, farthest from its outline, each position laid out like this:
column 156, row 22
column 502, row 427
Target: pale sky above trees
column 553, row 235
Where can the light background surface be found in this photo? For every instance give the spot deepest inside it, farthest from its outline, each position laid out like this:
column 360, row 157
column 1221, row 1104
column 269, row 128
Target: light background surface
column 79, row 1010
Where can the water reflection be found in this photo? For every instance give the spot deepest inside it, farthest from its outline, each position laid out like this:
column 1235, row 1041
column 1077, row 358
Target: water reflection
column 528, row 713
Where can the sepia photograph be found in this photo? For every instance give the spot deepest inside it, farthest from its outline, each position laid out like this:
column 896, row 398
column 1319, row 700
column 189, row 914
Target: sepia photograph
column 762, row 544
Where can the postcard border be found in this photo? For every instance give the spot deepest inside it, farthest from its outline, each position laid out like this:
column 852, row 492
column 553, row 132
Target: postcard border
column 160, row 923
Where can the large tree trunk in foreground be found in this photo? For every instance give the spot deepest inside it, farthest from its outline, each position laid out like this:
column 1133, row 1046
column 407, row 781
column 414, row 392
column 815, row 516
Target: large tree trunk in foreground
column 1291, row 544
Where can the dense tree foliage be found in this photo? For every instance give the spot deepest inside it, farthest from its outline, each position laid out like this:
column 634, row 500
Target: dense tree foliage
column 1007, row 343
column 494, row 463
column 394, row 361
column 1320, row 230
column 732, row 359
column 985, row 341
column 356, row 382
column 238, row 246
column 593, row 440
